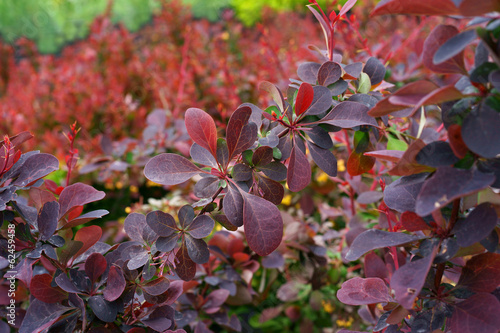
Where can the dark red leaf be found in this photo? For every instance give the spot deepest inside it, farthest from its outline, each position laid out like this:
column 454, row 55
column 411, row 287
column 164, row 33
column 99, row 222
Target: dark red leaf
column 304, row 98
column 41, row 289
column 330, row 72
column 96, row 214
column 271, row 190
column 157, row 286
column 77, row 194
column 359, row 291
column 201, row 128
column 477, row 226
column 481, row 273
column 115, row 284
column 408, row 280
column 95, row 266
column 413, row 222
column 321, row 102
column 478, row 313
column 201, row 226
column 457, row 143
column 375, row 267
column 348, row 115
column 242, row 173
column 163, row 224
column 408, row 165
column 222, row 153
column 35, row 167
column 170, row 169
column 375, row 239
column 160, row 319
column 480, row 131
column 274, row 170
column 299, row 170
column 475, row 8
column 447, row 184
column 233, row 206
column 197, row 249
column 386, row 155
column 263, row 224
column 436, row 38
column 241, row 134
column 323, row 158
column 262, row 156
column 185, row 267
column 422, row 7
column 47, row 220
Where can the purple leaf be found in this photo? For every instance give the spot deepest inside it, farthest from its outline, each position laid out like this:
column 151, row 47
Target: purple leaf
column 329, row 73
column 321, row 102
column 77, row 194
column 40, row 316
column 136, row 228
column 35, row 167
column 369, row 197
column 66, row 284
column 477, row 226
column 242, row 173
column 274, row 260
column 115, row 284
column 274, row 170
column 185, row 216
column 324, row 159
column 201, row 128
column 256, row 116
column 375, row 70
column 478, row 313
column 434, row 41
column 156, row 287
column 308, row 72
column 480, row 131
column 202, row 156
column 197, row 249
column 401, row 194
column 320, row 137
column 436, row 154
column 275, row 93
column 223, row 152
column 215, row 300
column 47, row 220
column 359, row 291
column 409, row 279
column 201, row 227
column 263, row 224
column 285, row 147
column 375, row 239
column 166, row 244
column 138, row 256
column 271, row 190
column 348, row 115
column 354, row 69
column 95, row 266
column 454, row 46
column 299, row 170
column 170, row 169
column 104, row 310
column 374, row 266
column 95, row 214
column 233, row 206
column 481, row 273
column 163, row 224
column 185, row 267
column 206, row 187
column 446, row 185
column 160, row 319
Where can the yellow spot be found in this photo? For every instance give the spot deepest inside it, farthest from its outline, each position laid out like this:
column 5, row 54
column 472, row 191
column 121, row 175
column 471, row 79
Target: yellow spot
column 151, row 184
column 109, row 186
column 128, row 210
column 287, row 200
column 119, row 185
column 344, row 323
column 340, row 165
column 224, row 35
column 327, row 306
column 134, row 189
column 322, row 178
column 218, row 227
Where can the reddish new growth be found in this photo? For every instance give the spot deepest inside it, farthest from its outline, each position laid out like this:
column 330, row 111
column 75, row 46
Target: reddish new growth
column 72, row 155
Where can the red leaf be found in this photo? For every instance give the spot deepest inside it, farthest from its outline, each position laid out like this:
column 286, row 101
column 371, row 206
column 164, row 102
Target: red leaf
column 41, row 289
column 240, row 134
column 88, row 236
column 478, row 313
column 346, row 7
column 478, row 8
column 185, row 267
column 156, row 287
column 456, row 142
column 304, row 98
column 386, row 155
column 436, row 38
column 359, row 291
column 413, row 222
column 481, row 273
column 421, row 7
column 201, row 128
column 77, row 195
column 330, row 72
column 263, row 224
column 95, row 266
column 358, row 164
column 170, row 169
column 299, row 170
column 408, row 165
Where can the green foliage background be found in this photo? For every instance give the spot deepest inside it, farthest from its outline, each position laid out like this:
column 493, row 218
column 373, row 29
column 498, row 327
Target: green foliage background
column 54, row 23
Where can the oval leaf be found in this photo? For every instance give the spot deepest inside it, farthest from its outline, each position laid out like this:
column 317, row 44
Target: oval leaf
column 201, row 128
column 359, row 291
column 170, row 169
